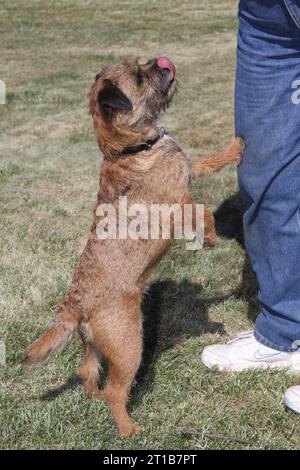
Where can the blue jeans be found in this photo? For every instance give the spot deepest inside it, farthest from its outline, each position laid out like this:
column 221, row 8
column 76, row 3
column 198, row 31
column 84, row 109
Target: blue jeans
column 267, row 116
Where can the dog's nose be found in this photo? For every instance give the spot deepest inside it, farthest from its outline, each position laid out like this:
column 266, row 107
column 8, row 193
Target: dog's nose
column 166, row 64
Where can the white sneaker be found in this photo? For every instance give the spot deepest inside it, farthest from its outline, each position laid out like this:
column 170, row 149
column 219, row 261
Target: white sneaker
column 245, row 352
column 292, row 398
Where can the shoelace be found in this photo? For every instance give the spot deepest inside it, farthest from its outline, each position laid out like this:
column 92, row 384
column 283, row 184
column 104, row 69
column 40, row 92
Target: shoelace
column 241, row 336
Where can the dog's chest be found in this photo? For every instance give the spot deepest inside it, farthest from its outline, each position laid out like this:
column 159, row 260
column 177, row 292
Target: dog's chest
column 169, row 179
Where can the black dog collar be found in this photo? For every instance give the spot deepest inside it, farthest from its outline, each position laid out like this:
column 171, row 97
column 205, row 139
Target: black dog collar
column 145, row 146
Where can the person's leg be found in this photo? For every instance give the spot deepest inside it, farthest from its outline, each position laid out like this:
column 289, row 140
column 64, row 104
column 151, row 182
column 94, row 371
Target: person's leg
column 267, row 117
column 269, row 121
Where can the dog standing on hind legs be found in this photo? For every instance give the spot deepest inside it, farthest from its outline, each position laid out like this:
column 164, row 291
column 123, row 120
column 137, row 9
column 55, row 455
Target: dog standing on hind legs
column 145, row 164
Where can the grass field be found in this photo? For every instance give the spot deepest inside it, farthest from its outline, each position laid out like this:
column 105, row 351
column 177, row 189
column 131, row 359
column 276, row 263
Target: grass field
column 50, row 53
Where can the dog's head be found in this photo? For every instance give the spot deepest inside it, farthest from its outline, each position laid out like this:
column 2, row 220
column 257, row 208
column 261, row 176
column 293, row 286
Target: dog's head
column 126, row 99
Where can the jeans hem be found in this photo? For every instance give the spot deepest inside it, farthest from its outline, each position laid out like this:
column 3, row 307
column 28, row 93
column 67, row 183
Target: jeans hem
column 263, row 340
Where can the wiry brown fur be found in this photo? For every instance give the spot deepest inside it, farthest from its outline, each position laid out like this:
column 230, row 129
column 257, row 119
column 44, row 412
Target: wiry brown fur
column 212, row 163
column 104, row 298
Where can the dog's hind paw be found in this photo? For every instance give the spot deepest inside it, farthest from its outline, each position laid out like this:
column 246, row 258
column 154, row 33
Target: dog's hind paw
column 130, row 429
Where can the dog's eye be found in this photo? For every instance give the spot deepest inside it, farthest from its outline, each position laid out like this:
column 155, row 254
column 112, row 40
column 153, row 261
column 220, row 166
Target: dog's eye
column 97, row 76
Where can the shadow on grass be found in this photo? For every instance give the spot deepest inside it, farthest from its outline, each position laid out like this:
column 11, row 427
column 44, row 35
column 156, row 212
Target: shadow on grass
column 229, row 224
column 172, row 313
column 72, row 382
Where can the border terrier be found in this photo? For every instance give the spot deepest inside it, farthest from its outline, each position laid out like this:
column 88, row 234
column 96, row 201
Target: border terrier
column 144, row 163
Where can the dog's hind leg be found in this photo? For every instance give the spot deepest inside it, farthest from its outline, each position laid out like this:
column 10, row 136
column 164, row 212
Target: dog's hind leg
column 120, row 337
column 90, row 366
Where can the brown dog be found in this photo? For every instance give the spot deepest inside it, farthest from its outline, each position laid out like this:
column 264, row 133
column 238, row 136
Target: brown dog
column 144, row 163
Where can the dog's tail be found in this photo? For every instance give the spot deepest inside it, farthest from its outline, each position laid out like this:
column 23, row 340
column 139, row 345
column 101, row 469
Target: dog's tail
column 215, row 162
column 54, row 339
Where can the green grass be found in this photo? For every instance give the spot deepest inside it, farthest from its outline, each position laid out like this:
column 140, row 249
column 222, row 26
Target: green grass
column 50, row 53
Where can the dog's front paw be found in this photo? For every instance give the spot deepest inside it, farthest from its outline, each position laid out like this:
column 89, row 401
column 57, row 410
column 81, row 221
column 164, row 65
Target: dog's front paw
column 210, row 242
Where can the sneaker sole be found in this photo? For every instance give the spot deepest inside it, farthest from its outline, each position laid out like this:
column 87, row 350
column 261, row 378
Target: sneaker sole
column 291, row 406
column 210, row 361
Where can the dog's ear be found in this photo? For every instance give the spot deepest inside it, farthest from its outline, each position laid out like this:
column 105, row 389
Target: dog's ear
column 112, row 98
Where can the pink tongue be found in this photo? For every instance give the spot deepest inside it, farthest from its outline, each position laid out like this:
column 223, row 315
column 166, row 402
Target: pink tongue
column 165, row 63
